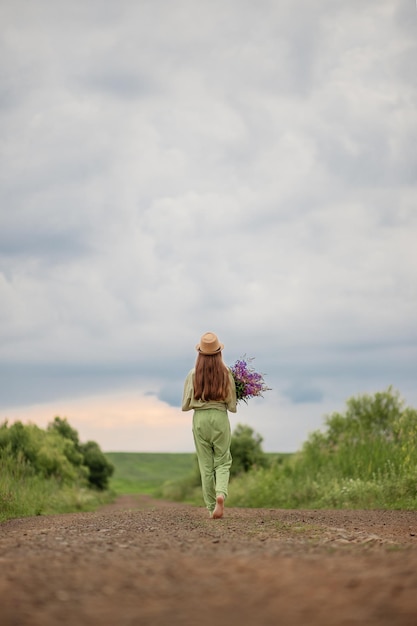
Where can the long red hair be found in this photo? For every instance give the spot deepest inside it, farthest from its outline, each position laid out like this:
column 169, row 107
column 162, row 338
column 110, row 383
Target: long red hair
column 211, row 378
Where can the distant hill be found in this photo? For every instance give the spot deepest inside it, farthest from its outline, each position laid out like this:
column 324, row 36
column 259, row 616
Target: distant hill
column 146, row 472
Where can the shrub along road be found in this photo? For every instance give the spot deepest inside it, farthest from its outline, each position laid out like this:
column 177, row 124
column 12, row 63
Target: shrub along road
column 142, row 561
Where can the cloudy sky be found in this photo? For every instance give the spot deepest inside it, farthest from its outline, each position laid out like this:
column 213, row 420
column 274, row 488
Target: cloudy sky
column 175, row 167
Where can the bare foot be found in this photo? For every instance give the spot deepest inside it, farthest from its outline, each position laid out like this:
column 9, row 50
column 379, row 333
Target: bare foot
column 218, row 511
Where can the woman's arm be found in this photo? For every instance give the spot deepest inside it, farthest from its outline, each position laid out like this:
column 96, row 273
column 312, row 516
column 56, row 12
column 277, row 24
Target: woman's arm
column 188, row 393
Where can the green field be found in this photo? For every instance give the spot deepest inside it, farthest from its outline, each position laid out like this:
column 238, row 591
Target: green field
column 146, row 472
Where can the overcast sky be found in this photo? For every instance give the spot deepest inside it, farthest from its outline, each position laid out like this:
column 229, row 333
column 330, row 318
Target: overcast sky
column 175, row 167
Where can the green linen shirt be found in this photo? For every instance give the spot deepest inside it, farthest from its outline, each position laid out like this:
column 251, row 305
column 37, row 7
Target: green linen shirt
column 189, row 402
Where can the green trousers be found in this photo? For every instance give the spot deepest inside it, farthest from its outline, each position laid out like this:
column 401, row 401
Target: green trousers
column 212, row 436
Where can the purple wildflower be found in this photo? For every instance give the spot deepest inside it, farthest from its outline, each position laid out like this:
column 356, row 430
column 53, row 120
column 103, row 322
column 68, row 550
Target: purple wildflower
column 249, row 384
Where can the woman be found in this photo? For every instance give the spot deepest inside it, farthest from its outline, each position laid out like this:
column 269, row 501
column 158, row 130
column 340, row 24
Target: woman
column 210, row 391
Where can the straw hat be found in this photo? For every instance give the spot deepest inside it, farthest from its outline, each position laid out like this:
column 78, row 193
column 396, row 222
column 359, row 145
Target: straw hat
column 209, row 344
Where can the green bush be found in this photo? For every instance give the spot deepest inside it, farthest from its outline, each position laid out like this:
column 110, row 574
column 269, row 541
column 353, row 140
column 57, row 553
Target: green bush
column 246, row 449
column 100, row 468
column 48, row 470
column 96, row 466
column 374, row 430
column 365, row 458
column 46, row 452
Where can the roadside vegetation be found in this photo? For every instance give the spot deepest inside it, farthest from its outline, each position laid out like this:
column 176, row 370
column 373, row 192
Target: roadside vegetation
column 45, row 471
column 364, row 458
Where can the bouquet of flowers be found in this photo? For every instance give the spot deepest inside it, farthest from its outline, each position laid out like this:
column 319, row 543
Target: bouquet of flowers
column 249, row 384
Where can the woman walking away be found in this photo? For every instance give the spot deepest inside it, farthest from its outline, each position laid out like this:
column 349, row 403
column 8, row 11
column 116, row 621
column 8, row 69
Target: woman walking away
column 210, row 391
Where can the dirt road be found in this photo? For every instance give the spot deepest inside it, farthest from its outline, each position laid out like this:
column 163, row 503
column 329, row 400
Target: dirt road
column 142, row 561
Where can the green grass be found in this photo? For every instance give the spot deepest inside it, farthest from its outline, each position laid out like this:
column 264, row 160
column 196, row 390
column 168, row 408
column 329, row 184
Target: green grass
column 365, row 458
column 146, row 472
column 24, row 494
